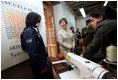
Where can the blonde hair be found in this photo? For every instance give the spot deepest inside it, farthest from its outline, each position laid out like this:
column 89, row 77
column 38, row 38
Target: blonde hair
column 63, row 19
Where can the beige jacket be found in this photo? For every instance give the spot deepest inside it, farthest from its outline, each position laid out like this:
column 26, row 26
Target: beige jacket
column 66, row 40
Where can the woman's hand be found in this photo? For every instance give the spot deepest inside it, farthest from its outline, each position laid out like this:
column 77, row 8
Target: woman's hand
column 72, row 49
column 44, row 70
column 81, row 55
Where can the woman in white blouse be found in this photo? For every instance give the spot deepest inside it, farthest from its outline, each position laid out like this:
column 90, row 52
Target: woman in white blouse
column 65, row 37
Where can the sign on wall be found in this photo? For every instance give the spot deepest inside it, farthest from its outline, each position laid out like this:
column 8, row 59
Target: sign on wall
column 13, row 16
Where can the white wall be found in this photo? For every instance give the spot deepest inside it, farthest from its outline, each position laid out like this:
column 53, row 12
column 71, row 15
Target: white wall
column 62, row 10
column 81, row 22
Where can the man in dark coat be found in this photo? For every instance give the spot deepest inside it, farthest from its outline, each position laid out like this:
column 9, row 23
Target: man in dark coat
column 78, row 33
column 87, row 34
column 104, row 20
column 32, row 42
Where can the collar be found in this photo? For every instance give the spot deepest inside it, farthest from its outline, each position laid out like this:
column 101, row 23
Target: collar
column 65, row 31
column 35, row 29
column 99, row 24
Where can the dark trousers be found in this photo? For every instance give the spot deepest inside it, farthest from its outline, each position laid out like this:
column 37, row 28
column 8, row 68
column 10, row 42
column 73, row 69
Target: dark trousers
column 37, row 71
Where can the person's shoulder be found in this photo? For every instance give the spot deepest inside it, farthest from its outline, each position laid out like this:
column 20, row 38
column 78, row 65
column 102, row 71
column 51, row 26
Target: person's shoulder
column 108, row 23
column 91, row 27
column 69, row 30
column 84, row 28
column 112, row 21
column 28, row 30
column 60, row 31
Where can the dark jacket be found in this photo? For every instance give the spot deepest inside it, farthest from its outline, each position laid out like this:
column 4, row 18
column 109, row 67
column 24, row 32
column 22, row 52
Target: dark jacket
column 32, row 42
column 78, row 34
column 87, row 35
column 106, row 34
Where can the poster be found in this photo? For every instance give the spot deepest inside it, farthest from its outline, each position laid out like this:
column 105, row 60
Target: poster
column 13, row 14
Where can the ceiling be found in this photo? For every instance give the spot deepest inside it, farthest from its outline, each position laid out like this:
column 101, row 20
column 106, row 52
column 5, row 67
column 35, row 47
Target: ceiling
column 88, row 6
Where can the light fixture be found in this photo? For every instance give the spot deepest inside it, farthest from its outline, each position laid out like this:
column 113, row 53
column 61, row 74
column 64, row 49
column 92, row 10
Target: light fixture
column 105, row 3
column 82, row 11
